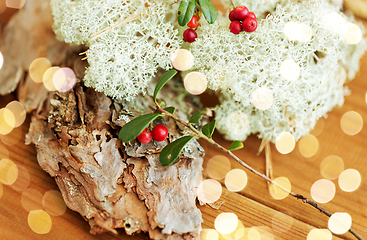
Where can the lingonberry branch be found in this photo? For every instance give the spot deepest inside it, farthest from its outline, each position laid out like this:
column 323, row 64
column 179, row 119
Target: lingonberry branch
column 199, row 134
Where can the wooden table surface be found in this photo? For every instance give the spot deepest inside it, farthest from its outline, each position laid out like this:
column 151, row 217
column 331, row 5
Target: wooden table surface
column 286, row 219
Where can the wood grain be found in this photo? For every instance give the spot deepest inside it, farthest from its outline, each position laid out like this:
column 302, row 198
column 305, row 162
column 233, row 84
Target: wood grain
column 253, row 205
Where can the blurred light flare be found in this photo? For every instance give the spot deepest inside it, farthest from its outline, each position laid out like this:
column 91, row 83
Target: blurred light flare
column 349, row 180
column 195, row 83
column 238, row 122
column 351, row 123
column 48, row 77
column 323, row 191
column 17, row 4
column 285, row 142
column 236, row 180
column 308, row 146
column 8, row 171
column 39, row 221
column 182, row 59
column 277, row 192
column 281, row 222
column 218, row 166
column 1, row 55
column 331, row 167
column 319, row 234
column 1, row 190
column 31, row 199
column 262, row 98
column 18, row 111
column 340, row 222
column 209, row 234
column 319, row 127
column 53, row 203
column 7, row 120
column 226, row 223
column 290, row 70
column 209, row 191
column 38, row 68
column 64, row 79
column 23, row 180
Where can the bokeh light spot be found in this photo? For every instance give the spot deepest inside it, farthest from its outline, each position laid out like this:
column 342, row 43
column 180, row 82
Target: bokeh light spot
column 351, row 33
column 39, row 221
column 281, row 222
column 319, row 127
column 290, row 70
column 31, row 199
column 7, row 120
column 236, row 180
column 17, row 4
column 1, row 190
column 64, row 79
column 218, row 166
column 238, row 123
column 292, row 30
column 254, row 234
column 349, row 180
column 182, row 59
column 23, row 180
column 8, row 171
column 12, row 138
column 339, row 222
column 323, row 191
column 306, row 33
column 38, row 68
column 226, row 223
column 262, row 98
column 209, row 234
column 18, row 111
column 48, row 77
column 209, row 191
column 1, row 55
column 53, row 203
column 4, row 152
column 278, row 193
column 308, row 146
column 285, row 142
column 195, row 83
column 351, row 123
column 319, row 234
column 331, row 167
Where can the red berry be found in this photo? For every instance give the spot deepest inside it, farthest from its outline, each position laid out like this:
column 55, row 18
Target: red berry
column 189, row 35
column 249, row 24
column 235, row 27
column 231, row 16
column 252, row 15
column 193, row 22
column 145, row 136
column 159, row 133
column 241, row 12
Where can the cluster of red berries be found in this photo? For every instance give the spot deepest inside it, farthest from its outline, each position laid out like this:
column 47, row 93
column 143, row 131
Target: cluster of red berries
column 159, row 133
column 241, row 13
column 190, row 34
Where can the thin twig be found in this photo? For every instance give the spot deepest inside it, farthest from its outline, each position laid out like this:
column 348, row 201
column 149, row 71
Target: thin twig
column 248, row 167
column 263, row 143
column 268, row 163
column 234, row 6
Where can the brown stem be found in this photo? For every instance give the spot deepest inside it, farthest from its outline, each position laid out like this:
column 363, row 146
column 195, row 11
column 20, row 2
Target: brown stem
column 248, row 167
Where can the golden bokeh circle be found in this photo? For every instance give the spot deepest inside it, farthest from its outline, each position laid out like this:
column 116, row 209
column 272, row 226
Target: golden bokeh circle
column 281, row 222
column 39, row 221
column 23, row 180
column 218, row 166
column 4, row 152
column 182, row 59
column 351, row 123
column 331, row 167
column 209, row 234
column 7, row 121
column 226, row 223
column 236, row 180
column 8, row 171
column 209, row 191
column 319, row 127
column 285, row 142
column 340, row 222
column 323, row 191
column 195, row 83
column 18, row 111
column 349, row 180
column 53, row 203
column 308, row 146
column 38, row 68
column 48, row 77
column 31, row 199
column 278, row 193
column 319, row 234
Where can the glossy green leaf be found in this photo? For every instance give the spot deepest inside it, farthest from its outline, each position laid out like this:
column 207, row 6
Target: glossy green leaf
column 162, row 81
column 209, row 11
column 162, row 104
column 171, row 110
column 185, row 12
column 195, row 118
column 133, row 128
column 171, row 152
column 208, row 128
column 235, row 146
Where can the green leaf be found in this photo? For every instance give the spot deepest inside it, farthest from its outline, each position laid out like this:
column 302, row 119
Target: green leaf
column 133, row 128
column 162, row 104
column 185, row 11
column 209, row 11
column 208, row 128
column 235, row 146
column 195, row 118
column 171, row 110
column 171, row 152
column 162, row 81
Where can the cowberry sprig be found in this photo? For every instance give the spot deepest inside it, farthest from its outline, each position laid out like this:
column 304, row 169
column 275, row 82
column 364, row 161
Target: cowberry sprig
column 242, row 20
column 171, row 151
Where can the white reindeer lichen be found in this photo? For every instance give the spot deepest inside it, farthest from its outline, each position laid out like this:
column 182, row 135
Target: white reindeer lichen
column 301, row 76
